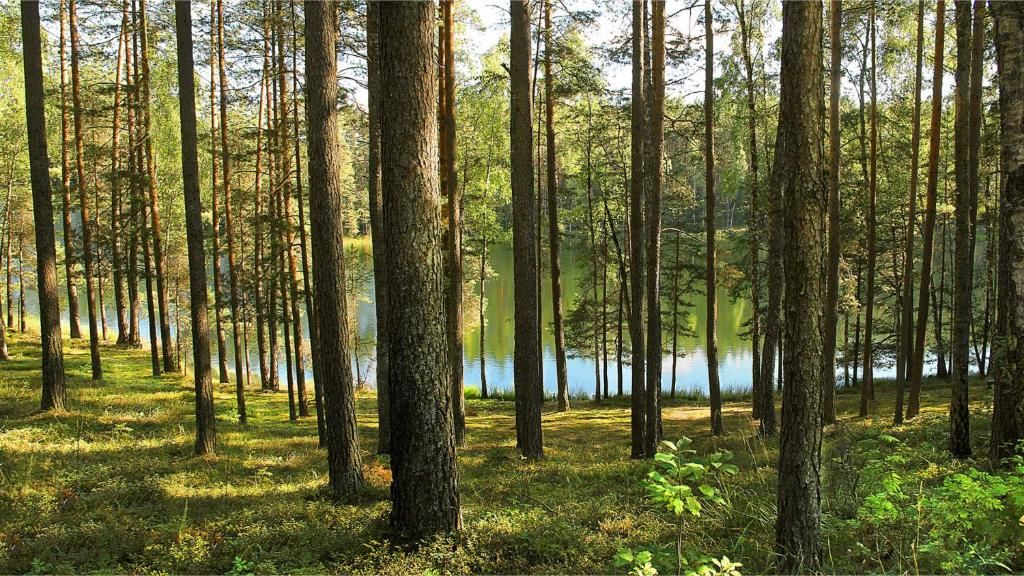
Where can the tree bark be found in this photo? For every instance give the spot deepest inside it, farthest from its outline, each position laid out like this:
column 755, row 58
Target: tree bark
column 907, row 321
column 120, row 305
column 83, row 198
column 959, row 415
column 222, row 357
column 831, row 320
column 928, row 234
column 70, row 256
column 799, row 170
column 527, row 362
column 638, row 411
column 710, row 265
column 424, row 489
column 326, row 238
column 867, row 393
column 1008, row 366
column 54, row 396
column 380, row 269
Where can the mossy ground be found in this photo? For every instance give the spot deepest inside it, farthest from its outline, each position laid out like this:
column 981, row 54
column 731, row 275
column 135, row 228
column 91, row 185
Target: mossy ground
column 111, row 485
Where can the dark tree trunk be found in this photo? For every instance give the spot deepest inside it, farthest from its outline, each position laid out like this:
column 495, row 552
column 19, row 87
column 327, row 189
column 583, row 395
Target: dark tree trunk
column 83, row 198
column 928, row 234
column 1008, row 368
column 380, row 269
column 70, row 258
column 831, row 320
column 561, row 374
column 343, row 460
column 906, row 346
column 54, row 396
column 222, row 356
column 120, row 304
column 867, row 392
column 257, row 261
column 710, row 268
column 959, row 415
column 424, row 491
column 656, row 150
column 799, row 171
column 206, row 430
column 527, row 362
column 638, row 410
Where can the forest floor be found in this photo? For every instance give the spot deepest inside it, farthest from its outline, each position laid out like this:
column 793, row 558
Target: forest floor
column 111, row 486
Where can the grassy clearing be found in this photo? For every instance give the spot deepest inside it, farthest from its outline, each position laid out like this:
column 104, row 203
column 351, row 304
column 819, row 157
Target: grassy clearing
column 111, row 486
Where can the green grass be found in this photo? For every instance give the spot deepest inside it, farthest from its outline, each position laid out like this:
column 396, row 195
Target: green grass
column 111, row 485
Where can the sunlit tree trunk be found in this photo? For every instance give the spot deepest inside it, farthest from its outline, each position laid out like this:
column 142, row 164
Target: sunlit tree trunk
column 83, row 197
column 70, row 255
column 527, row 362
column 638, row 403
column 799, row 170
column 116, row 264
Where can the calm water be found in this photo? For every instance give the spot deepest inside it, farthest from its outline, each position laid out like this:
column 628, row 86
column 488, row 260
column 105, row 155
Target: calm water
column 691, row 367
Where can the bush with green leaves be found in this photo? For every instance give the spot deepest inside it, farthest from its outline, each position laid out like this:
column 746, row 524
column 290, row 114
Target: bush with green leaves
column 683, row 484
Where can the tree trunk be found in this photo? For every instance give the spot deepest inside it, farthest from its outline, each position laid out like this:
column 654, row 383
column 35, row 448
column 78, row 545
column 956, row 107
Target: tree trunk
column 424, row 489
column 867, row 392
column 131, row 110
column 343, row 459
column 147, row 260
column 799, row 171
column 928, row 234
column 120, row 305
column 831, row 319
column 376, row 202
column 257, row 260
column 483, row 324
column 83, row 198
column 959, row 415
column 206, row 431
column 154, row 203
column 907, row 321
column 70, row 256
column 1008, row 397
column 710, row 267
column 637, row 203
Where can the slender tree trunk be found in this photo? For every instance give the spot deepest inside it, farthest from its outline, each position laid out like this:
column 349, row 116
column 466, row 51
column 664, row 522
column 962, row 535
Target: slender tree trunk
column 206, row 431
column 218, row 301
column 9, row 234
column 54, row 393
column 561, row 374
column 799, row 170
column 131, row 71
column 527, row 362
column 959, row 415
column 321, row 37
column 154, row 202
column 425, row 478
column 637, row 203
column 70, row 255
column 120, row 304
column 483, row 324
column 1008, row 356
column 147, row 262
column 831, row 319
column 710, row 271
column 233, row 264
column 928, row 234
column 907, row 322
column 257, row 262
column 867, row 380
column 83, row 197
column 380, row 269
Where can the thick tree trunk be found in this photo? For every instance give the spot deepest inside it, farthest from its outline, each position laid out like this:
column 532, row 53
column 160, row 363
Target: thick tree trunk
column 959, row 415
column 83, row 198
column 928, row 233
column 54, row 395
column 321, row 36
column 527, row 362
column 206, row 431
column 70, row 255
column 424, row 490
column 376, row 202
column 906, row 346
column 637, row 203
column 799, row 170
column 1008, row 368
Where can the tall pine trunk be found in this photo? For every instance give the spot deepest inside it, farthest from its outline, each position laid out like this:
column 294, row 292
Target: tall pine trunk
column 867, row 393
column 710, row 264
column 70, row 255
column 638, row 423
